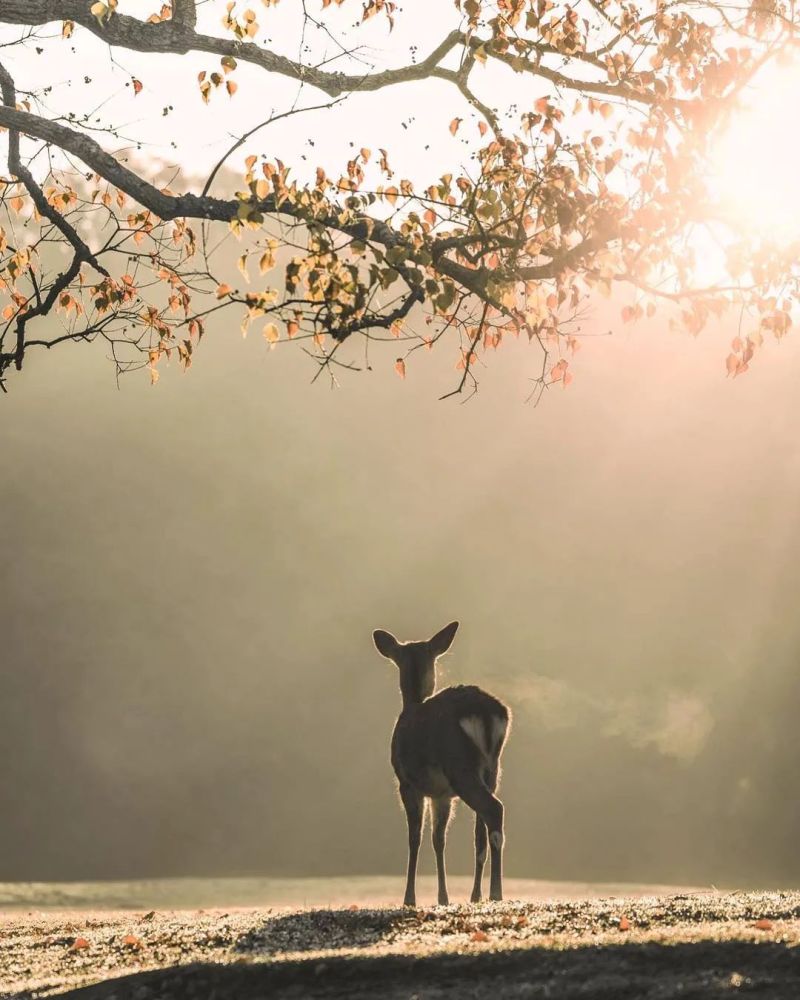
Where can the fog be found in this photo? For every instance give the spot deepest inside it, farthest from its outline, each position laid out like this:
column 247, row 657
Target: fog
column 191, row 574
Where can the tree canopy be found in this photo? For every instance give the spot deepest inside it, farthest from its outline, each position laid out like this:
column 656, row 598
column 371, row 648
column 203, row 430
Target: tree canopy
column 583, row 133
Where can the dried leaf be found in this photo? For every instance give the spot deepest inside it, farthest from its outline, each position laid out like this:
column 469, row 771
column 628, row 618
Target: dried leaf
column 400, row 367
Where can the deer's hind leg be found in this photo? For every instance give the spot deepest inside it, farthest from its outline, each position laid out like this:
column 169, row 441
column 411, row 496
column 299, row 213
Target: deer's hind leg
column 480, row 859
column 489, row 809
column 414, row 805
column 440, row 817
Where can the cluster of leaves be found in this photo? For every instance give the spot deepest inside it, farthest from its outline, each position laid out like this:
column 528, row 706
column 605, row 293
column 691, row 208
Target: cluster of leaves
column 600, row 180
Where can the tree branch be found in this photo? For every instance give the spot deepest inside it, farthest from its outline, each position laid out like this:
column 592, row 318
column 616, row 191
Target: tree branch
column 178, row 36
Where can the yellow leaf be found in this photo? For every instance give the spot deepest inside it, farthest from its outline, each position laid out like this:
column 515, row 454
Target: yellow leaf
column 223, row 290
column 271, row 334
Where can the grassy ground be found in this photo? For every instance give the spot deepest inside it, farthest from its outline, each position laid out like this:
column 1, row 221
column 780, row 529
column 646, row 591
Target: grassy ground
column 685, row 945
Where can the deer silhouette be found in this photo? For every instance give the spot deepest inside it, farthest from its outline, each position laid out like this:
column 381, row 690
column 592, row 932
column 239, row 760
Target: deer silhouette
column 446, row 746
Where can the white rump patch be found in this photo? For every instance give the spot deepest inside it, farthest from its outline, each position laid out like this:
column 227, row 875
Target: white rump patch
column 489, row 743
column 473, row 727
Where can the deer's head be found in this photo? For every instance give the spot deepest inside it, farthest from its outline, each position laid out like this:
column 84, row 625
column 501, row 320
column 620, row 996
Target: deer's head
column 416, row 661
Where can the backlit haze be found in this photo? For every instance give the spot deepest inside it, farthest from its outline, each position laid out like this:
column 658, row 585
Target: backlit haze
column 191, row 572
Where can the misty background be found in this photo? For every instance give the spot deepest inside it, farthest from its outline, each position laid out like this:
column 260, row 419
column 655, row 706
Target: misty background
column 191, row 574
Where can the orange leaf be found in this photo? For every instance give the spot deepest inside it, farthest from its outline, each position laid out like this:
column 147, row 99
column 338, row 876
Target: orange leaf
column 79, row 944
column 624, row 924
column 137, row 85
column 479, row 936
column 400, row 367
column 131, row 941
column 763, row 924
column 454, row 125
column 223, row 290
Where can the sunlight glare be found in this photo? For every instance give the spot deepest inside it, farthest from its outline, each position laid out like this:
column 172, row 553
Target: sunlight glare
column 757, row 161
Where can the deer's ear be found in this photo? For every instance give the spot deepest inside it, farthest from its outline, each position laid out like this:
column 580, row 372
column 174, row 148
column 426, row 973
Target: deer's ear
column 385, row 643
column 442, row 641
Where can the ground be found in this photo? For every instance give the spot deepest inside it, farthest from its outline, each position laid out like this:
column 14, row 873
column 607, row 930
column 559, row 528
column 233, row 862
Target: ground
column 703, row 944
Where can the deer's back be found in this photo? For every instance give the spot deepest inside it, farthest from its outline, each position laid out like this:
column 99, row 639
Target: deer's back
column 458, row 730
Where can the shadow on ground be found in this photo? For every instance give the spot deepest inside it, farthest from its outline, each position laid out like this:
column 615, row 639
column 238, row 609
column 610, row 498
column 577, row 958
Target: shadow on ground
column 320, row 930
column 610, row 972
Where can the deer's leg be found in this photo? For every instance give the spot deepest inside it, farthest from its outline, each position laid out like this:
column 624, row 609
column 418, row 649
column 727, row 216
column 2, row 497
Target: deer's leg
column 480, row 859
column 440, row 817
column 490, row 809
column 414, row 805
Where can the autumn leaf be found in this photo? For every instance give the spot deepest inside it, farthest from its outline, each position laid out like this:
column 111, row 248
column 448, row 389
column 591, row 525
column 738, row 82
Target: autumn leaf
column 131, row 941
column 79, row 944
column 400, row 367
column 271, row 334
column 223, row 290
column 454, row 125
column 624, row 923
column 479, row 936
column 763, row 924
column 67, row 27
column 137, row 86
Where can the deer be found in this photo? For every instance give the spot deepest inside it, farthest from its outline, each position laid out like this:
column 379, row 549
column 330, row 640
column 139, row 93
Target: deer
column 445, row 746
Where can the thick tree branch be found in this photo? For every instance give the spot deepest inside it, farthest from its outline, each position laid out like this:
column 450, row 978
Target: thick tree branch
column 177, row 36
column 170, row 206
column 17, row 169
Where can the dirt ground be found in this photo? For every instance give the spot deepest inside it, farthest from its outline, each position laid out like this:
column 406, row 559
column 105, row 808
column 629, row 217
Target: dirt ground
column 686, row 945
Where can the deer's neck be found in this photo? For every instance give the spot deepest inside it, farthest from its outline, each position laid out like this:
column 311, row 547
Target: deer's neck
column 413, row 696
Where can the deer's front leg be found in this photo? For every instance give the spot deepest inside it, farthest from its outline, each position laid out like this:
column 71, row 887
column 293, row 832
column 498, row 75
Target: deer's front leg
column 414, row 806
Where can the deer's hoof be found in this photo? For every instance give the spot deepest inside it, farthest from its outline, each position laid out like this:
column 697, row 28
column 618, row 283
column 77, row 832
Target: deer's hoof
column 496, row 897
column 410, row 902
column 475, row 897
column 444, row 900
